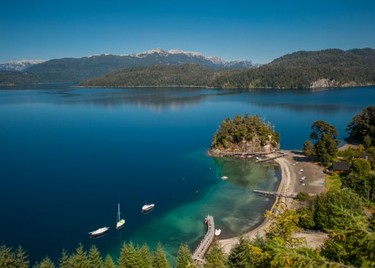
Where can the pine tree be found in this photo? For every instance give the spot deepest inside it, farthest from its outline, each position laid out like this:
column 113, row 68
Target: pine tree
column 184, row 258
column 95, row 258
column 108, row 262
column 215, row 258
column 65, row 260
column 21, row 258
column 146, row 256
column 45, row 263
column 160, row 259
column 80, row 259
column 7, row 258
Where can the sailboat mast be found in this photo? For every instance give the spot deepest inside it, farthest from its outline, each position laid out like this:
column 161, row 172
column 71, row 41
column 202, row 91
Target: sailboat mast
column 118, row 211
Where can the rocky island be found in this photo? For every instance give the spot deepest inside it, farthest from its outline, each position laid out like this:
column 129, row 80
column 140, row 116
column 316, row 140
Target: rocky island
column 244, row 134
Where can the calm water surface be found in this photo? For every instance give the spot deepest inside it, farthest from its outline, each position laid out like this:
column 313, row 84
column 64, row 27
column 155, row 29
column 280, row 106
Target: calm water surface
column 69, row 156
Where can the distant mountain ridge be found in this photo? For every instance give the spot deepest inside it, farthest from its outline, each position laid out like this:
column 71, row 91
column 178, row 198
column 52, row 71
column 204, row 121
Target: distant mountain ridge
column 80, row 69
column 302, row 69
column 18, row 66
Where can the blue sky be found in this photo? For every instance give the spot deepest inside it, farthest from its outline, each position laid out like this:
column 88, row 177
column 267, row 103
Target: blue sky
column 234, row 30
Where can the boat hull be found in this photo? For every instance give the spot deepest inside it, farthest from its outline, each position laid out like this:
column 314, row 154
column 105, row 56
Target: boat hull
column 99, row 232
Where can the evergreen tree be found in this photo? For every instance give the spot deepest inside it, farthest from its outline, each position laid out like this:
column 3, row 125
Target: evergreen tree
column 184, row 257
column 7, row 258
column 80, row 259
column 21, row 258
column 108, row 262
column 146, row 256
column 160, row 259
column 45, row 263
column 129, row 256
column 95, row 257
column 215, row 258
column 65, row 260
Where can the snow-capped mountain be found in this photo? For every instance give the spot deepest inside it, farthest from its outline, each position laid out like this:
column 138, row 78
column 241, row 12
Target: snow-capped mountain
column 20, row 65
column 215, row 61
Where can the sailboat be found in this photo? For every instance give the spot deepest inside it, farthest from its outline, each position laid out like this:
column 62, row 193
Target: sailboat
column 120, row 222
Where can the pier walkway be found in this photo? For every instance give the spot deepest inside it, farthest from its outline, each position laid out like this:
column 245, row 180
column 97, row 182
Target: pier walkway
column 267, row 193
column 198, row 255
column 272, row 156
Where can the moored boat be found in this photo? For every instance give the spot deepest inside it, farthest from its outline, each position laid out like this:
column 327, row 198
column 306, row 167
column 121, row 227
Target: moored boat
column 99, row 232
column 217, row 232
column 120, row 222
column 147, row 208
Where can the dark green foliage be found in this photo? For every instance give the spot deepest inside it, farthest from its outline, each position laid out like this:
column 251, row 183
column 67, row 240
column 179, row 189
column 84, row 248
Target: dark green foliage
column 15, row 79
column 64, row 261
column 80, row 258
column 326, row 215
column 95, row 258
column 325, row 137
column 130, row 256
column 108, row 262
column 352, row 243
column 306, row 218
column 308, row 148
column 160, row 259
column 301, row 69
column 215, row 258
column 7, row 258
column 245, row 128
column 159, row 75
column 362, row 127
column 146, row 256
column 184, row 257
column 46, row 263
column 21, row 258
column 360, row 180
column 303, row 196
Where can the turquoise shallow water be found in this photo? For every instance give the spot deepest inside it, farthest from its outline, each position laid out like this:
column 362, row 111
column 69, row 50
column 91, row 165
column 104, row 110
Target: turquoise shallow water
column 69, row 156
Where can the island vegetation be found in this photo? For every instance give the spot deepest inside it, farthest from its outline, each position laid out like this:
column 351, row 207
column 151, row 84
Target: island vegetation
column 244, row 134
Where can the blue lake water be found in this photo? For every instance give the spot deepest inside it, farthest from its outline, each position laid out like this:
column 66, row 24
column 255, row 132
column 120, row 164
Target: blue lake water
column 68, row 156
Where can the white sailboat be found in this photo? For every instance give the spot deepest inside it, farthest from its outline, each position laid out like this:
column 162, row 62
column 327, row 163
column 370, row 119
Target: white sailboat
column 120, row 222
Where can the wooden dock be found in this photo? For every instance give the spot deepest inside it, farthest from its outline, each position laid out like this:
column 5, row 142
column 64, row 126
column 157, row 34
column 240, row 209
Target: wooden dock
column 274, row 156
column 200, row 251
column 274, row 194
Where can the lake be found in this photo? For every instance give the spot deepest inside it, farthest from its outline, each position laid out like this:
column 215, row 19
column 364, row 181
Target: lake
column 68, row 156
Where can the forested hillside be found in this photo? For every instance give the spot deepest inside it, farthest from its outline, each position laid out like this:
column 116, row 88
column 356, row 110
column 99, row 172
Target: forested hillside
column 160, row 75
column 314, row 69
column 326, row 68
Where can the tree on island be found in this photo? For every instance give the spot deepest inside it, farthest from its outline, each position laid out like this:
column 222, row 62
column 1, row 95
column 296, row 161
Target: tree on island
column 245, row 133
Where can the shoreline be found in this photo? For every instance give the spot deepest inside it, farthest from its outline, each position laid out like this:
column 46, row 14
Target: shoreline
column 290, row 169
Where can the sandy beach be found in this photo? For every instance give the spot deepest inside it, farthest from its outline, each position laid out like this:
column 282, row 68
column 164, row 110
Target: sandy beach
column 298, row 174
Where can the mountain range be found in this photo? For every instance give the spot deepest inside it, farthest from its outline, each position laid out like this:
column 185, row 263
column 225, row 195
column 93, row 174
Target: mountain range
column 75, row 70
column 302, row 69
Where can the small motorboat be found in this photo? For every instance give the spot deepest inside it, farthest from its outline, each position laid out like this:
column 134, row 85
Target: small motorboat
column 217, row 232
column 147, row 208
column 99, row 232
column 224, row 177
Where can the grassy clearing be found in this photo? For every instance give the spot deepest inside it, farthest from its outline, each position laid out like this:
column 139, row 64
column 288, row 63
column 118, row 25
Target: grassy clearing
column 333, row 182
